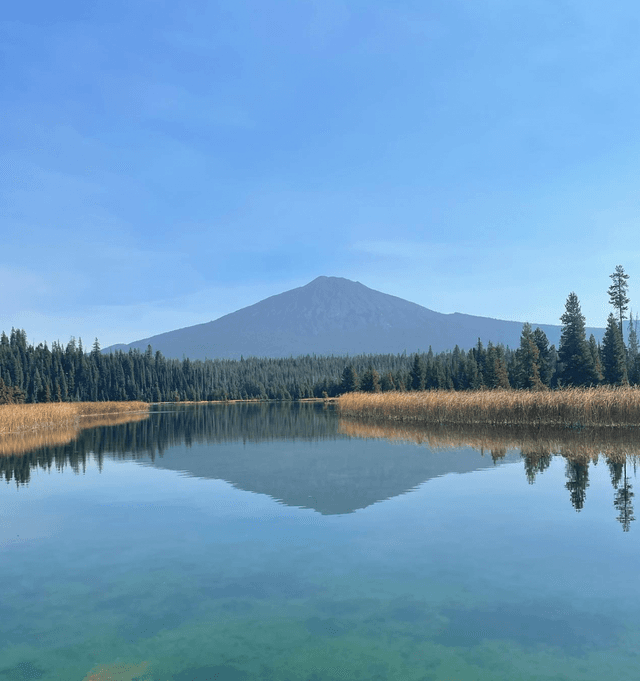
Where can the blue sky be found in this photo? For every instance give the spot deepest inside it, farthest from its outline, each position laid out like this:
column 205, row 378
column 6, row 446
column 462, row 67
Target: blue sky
column 163, row 163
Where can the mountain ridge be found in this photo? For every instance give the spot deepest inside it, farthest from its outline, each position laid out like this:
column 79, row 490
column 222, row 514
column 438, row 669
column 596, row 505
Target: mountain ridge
column 334, row 316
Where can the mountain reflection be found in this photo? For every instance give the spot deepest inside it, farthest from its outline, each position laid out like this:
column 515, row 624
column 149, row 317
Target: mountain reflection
column 350, row 471
column 580, row 447
column 148, row 437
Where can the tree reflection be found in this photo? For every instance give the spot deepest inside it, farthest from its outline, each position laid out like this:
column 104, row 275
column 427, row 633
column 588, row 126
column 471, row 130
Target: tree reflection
column 577, row 473
column 623, row 501
column 615, row 466
column 535, row 462
column 258, row 422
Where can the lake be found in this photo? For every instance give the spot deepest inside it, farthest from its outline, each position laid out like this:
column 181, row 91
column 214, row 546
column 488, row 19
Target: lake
column 277, row 542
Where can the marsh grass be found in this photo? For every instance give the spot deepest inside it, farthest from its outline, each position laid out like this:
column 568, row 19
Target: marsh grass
column 25, row 441
column 20, row 418
column 574, row 408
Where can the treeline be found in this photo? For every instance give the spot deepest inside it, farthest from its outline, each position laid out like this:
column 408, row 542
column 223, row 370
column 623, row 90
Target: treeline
column 43, row 374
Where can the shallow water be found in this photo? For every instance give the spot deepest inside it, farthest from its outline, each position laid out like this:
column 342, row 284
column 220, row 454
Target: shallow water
column 258, row 542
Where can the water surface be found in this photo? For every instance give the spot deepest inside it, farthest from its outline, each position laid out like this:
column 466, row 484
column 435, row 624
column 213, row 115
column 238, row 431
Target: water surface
column 274, row 542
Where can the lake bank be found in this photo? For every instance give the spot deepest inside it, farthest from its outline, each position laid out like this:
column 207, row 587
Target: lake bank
column 572, row 408
column 20, row 418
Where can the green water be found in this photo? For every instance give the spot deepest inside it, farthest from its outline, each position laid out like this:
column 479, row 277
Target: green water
column 257, row 542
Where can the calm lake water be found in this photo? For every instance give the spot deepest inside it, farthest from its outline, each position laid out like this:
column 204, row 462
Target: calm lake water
column 274, row 542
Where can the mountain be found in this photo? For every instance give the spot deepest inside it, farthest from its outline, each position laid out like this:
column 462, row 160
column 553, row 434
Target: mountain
column 334, row 316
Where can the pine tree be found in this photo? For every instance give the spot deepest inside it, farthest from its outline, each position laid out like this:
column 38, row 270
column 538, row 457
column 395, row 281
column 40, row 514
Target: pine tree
column 576, row 364
column 614, row 361
column 349, row 379
column 544, row 354
column 496, row 370
column 387, row 383
column 618, row 293
column 633, row 352
column 370, row 382
column 480, row 355
column 527, row 361
column 594, row 351
column 417, row 374
column 474, row 379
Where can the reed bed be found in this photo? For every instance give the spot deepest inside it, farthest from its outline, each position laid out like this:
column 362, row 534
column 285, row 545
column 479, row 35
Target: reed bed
column 18, row 418
column 585, row 444
column 24, row 441
column 573, row 407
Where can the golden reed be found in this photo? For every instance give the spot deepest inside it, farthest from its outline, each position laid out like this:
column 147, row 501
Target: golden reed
column 573, row 407
column 15, row 418
column 52, row 436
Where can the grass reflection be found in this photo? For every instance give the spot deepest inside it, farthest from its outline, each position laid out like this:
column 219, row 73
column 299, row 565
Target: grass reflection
column 538, row 445
column 22, row 442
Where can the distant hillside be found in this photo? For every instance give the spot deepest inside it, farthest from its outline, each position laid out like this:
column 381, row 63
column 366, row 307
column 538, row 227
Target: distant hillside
column 335, row 316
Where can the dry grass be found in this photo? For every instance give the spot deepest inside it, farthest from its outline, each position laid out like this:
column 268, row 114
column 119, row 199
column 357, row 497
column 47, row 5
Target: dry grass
column 28, row 440
column 585, row 444
column 19, row 418
column 608, row 407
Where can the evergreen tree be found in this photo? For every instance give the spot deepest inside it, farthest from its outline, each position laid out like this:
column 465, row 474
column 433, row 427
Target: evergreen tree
column 349, row 379
column 614, row 361
column 480, row 355
column 370, row 382
column 527, row 361
column 387, row 383
column 595, row 352
column 417, row 374
column 496, row 375
column 576, row 364
column 544, row 355
column 633, row 352
column 474, row 378
column 618, row 293
column 11, row 394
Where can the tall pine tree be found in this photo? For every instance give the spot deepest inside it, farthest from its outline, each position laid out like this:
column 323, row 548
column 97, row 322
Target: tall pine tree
column 576, row 364
column 614, row 360
column 618, row 293
column 528, row 361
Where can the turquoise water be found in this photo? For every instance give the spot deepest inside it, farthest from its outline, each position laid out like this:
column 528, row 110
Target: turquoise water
column 248, row 542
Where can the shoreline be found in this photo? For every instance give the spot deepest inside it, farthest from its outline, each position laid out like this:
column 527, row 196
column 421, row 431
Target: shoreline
column 23, row 418
column 568, row 408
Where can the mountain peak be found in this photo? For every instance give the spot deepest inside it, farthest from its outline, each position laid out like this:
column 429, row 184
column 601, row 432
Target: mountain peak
column 325, row 281
column 333, row 316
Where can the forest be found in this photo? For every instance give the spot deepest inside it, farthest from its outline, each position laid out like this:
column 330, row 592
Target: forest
column 60, row 373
